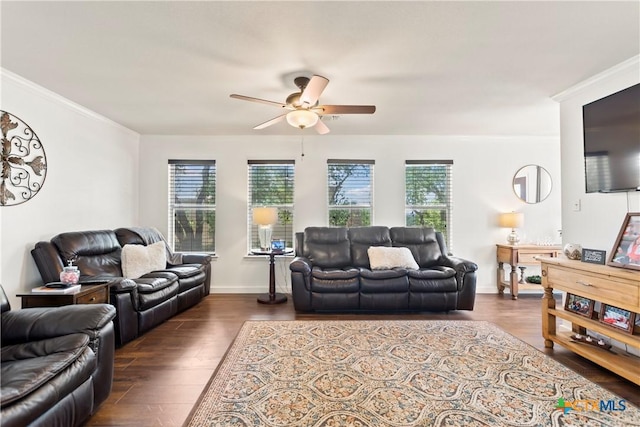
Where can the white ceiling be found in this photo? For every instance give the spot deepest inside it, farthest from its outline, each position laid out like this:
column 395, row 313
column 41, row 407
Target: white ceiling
column 463, row 68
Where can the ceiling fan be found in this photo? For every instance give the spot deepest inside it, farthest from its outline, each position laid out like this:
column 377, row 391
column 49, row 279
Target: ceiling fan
column 303, row 109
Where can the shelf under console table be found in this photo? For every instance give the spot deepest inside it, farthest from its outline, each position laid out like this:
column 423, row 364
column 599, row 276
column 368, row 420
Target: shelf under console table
column 608, row 285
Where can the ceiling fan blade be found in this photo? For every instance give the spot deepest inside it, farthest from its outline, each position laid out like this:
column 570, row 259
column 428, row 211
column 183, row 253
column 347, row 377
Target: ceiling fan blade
column 345, row 109
column 313, row 90
column 262, row 101
column 321, row 128
column 270, row 122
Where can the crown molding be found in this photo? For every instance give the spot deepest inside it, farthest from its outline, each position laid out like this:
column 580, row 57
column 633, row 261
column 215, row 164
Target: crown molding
column 49, row 95
column 634, row 61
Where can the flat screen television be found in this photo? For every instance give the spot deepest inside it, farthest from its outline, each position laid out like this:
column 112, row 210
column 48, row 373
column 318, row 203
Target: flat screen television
column 612, row 142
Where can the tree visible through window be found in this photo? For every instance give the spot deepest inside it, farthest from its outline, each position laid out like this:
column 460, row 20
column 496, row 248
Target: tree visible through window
column 350, row 192
column 192, row 205
column 271, row 185
column 428, row 195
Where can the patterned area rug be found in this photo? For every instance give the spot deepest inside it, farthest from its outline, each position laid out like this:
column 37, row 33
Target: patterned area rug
column 397, row 373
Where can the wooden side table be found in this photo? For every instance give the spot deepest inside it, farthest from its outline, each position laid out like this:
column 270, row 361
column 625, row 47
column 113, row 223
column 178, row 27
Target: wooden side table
column 515, row 255
column 89, row 294
column 272, row 297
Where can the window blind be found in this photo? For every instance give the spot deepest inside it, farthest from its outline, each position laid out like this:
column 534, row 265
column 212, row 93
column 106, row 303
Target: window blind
column 271, row 184
column 350, row 192
column 192, row 205
column 428, row 195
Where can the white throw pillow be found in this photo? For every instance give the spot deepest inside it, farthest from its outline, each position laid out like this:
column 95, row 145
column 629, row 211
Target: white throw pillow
column 384, row 258
column 138, row 260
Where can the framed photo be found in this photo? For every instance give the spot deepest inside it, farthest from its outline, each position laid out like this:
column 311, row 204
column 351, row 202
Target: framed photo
column 626, row 250
column 617, row 318
column 579, row 305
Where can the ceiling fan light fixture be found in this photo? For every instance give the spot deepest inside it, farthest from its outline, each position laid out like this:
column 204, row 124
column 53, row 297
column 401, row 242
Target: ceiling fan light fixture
column 302, row 118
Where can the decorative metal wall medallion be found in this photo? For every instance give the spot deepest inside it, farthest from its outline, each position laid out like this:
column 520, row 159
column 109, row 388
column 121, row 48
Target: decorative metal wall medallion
column 24, row 164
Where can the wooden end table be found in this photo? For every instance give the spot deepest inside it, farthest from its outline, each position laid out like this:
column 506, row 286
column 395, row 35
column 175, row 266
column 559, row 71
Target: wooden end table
column 88, row 294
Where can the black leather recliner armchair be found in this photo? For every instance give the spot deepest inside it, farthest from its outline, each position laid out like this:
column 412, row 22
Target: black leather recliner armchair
column 332, row 272
column 57, row 363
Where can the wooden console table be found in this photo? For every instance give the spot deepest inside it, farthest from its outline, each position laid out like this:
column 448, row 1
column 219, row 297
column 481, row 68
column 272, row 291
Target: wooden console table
column 618, row 287
column 515, row 255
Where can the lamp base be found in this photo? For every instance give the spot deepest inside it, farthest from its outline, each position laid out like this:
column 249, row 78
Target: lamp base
column 272, row 299
column 264, row 235
column 513, row 238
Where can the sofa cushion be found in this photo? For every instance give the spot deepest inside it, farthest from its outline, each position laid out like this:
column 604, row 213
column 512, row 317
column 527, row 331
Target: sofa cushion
column 26, row 367
column 382, row 274
column 138, row 260
column 362, row 238
column 422, row 242
column 189, row 275
column 383, row 258
column 435, row 280
column 334, row 273
column 438, row 272
column 327, row 246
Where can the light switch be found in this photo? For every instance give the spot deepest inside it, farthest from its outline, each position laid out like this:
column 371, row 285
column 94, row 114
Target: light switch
column 576, row 206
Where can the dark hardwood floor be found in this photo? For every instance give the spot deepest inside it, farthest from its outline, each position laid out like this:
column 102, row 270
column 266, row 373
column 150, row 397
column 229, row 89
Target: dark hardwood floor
column 159, row 376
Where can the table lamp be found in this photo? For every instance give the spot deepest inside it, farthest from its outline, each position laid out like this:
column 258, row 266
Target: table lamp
column 265, row 218
column 511, row 220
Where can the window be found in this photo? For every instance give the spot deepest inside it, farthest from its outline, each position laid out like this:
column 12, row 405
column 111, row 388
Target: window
column 350, row 192
column 428, row 195
column 271, row 185
column 192, row 205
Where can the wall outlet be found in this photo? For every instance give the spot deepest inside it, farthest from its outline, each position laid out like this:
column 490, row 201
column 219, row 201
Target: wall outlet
column 576, row 206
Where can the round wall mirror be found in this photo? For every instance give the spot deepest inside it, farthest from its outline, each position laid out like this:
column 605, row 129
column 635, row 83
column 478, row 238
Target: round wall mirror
column 532, row 184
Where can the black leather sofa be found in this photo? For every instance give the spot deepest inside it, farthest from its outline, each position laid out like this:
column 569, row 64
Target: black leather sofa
column 57, row 363
column 141, row 303
column 332, row 272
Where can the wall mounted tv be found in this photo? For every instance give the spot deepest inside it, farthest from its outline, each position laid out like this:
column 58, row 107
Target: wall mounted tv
column 612, row 142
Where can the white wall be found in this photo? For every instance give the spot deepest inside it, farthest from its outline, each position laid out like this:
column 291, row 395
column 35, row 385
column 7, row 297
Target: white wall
column 91, row 182
column 482, row 175
column 598, row 222
column 116, row 178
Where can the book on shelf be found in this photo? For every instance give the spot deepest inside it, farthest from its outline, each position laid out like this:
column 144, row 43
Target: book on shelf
column 56, row 291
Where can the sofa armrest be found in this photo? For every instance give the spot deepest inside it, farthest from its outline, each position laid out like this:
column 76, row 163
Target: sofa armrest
column 460, row 265
column 196, row 259
column 32, row 324
column 301, row 265
column 466, row 278
column 122, row 286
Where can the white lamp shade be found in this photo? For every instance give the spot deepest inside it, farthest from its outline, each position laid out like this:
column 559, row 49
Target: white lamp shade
column 302, row 118
column 265, row 216
column 511, row 220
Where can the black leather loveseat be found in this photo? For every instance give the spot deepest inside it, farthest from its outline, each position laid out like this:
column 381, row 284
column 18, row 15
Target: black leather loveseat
column 141, row 302
column 332, row 272
column 57, row 363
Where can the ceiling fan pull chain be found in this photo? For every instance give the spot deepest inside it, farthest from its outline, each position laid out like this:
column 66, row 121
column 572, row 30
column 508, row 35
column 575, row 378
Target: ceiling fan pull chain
column 302, row 147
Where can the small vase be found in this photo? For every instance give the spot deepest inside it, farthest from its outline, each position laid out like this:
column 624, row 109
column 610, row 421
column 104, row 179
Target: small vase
column 573, row 251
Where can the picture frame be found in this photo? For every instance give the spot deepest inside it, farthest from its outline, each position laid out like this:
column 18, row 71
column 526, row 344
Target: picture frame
column 579, row 305
column 617, row 318
column 626, row 249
